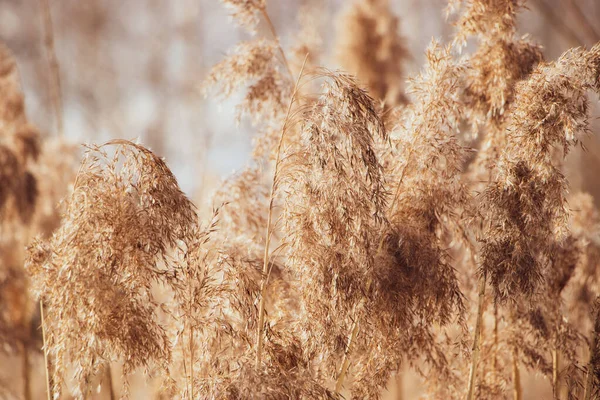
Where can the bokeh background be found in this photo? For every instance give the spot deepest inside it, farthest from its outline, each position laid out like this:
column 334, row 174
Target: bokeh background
column 133, row 69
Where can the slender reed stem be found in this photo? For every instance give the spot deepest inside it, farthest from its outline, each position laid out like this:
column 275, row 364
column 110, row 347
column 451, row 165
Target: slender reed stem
column 517, row 392
column 185, row 372
column 495, row 358
column 346, row 360
column 591, row 370
column 55, row 85
column 269, row 231
column 46, row 365
column 476, row 338
column 555, row 367
column 109, row 383
column 274, row 34
column 191, row 344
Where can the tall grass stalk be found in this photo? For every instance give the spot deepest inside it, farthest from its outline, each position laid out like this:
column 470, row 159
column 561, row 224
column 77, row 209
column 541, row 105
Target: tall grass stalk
column 45, row 349
column 476, row 349
column 269, row 228
column 54, row 81
column 517, row 391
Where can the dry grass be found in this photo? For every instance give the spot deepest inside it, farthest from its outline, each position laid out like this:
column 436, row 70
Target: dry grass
column 380, row 227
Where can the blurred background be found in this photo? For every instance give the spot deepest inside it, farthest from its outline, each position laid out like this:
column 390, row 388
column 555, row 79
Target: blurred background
column 132, row 69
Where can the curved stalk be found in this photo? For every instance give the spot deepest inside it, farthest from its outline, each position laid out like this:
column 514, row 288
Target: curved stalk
column 517, row 392
column 274, row 34
column 346, row 360
column 269, row 232
column 54, row 81
column 46, row 366
column 476, row 339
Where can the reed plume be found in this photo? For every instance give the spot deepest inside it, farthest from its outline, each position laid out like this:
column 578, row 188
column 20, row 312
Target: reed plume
column 369, row 46
column 96, row 274
column 526, row 198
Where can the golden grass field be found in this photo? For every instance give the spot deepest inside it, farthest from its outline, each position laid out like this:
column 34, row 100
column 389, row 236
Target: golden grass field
column 403, row 223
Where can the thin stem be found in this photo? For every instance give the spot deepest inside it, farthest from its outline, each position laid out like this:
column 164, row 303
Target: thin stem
column 476, row 339
column 495, row 359
column 555, row 367
column 191, row 344
column 46, row 365
column 516, row 374
column 591, row 373
column 55, row 85
column 346, row 360
column 269, row 231
column 396, row 194
column 111, row 389
column 187, row 389
column 274, row 34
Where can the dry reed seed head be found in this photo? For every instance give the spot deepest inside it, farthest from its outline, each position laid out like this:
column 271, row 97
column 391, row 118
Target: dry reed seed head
column 244, row 197
column 124, row 225
column 496, row 67
column 491, row 18
column 18, row 189
column 414, row 285
column 500, row 61
column 253, row 65
column 226, row 328
column 8, row 64
column 426, row 145
column 334, row 210
column 551, row 107
column 541, row 326
column 426, row 182
column 370, row 47
column 525, row 202
column 19, row 144
column 233, row 374
column 246, row 13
